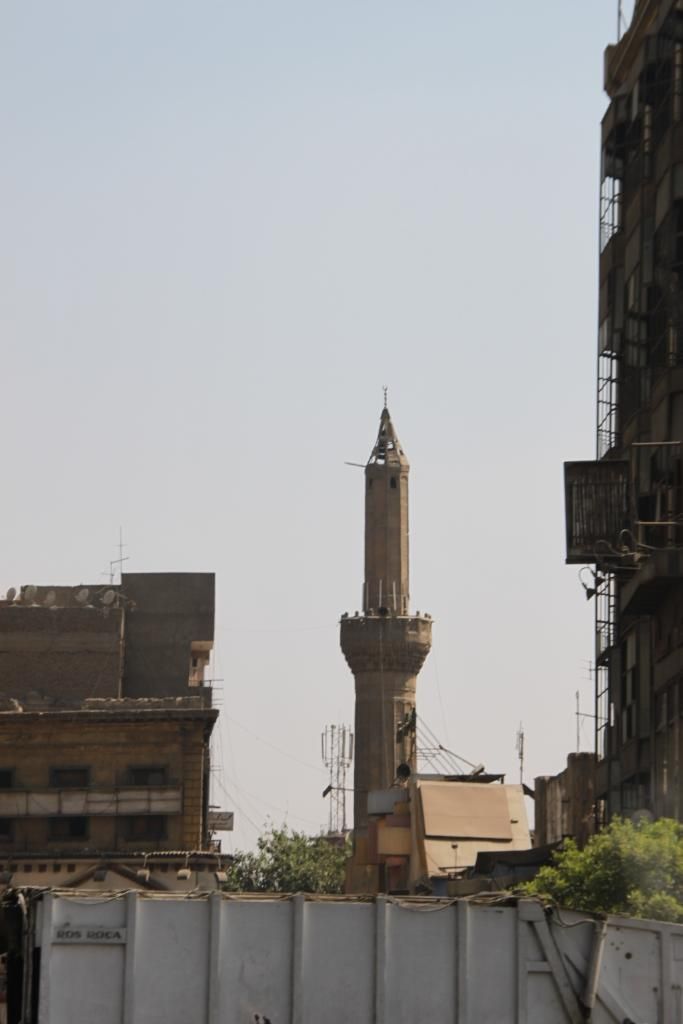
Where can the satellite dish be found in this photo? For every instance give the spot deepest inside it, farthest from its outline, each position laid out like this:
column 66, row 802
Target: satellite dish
column 82, row 595
column 108, row 598
column 403, row 771
column 641, row 816
column 50, row 599
column 11, row 593
column 28, row 593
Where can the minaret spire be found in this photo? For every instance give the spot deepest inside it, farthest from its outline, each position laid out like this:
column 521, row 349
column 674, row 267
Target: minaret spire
column 386, row 583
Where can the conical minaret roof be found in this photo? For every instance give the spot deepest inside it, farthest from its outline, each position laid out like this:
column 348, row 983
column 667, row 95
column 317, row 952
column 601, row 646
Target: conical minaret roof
column 387, row 449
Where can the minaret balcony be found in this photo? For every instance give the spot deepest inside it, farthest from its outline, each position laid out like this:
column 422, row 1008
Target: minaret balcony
column 376, row 642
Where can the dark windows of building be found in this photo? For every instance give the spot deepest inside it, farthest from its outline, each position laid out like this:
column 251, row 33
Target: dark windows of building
column 6, row 830
column 68, row 828
column 147, row 775
column 6, row 778
column 677, row 253
column 392, row 483
column 69, row 778
column 146, row 827
column 610, row 209
column 629, row 687
column 634, row 793
column 671, row 706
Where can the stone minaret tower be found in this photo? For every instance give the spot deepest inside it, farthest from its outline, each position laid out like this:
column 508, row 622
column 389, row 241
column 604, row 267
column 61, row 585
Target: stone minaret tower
column 386, row 646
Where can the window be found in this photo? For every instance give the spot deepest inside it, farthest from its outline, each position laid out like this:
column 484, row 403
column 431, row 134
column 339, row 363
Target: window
column 610, row 209
column 147, row 775
column 629, row 687
column 660, row 711
column 69, row 778
column 5, row 829
column 151, row 827
column 68, row 828
column 392, row 483
column 6, row 778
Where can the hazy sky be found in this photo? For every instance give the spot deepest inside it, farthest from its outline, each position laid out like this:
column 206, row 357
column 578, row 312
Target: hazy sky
column 225, row 226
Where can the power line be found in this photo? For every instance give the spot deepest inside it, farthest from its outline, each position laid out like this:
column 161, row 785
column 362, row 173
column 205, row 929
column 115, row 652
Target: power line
column 267, row 743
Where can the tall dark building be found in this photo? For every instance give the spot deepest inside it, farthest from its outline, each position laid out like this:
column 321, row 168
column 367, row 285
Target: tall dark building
column 625, row 510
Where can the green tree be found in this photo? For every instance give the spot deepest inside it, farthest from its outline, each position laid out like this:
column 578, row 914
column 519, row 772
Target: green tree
column 628, row 868
column 289, row 862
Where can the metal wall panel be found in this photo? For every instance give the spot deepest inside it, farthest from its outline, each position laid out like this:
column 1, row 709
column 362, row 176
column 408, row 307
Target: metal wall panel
column 218, row 959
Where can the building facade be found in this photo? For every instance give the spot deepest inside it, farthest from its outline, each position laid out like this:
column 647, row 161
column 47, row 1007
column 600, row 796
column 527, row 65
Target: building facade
column 105, row 724
column 625, row 510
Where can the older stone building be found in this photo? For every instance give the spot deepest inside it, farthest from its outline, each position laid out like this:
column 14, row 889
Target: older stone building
column 150, row 636
column 105, row 723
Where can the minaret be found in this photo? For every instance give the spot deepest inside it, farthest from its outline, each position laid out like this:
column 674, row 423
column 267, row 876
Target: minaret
column 385, row 646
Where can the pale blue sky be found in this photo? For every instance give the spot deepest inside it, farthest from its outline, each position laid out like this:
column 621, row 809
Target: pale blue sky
column 224, row 227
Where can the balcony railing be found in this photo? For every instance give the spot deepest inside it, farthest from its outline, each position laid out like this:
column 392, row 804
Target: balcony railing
column 93, row 801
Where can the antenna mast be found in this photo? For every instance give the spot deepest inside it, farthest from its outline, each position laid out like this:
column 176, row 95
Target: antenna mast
column 337, row 754
column 117, row 561
column 520, row 752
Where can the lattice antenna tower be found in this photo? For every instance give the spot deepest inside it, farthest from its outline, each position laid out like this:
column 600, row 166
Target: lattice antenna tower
column 337, row 755
column 520, row 752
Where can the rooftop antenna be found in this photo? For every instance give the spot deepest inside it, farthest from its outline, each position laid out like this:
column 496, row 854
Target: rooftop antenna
column 117, row 561
column 621, row 20
column 520, row 752
column 337, row 754
column 385, row 389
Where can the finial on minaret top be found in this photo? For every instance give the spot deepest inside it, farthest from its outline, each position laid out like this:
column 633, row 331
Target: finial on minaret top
column 385, row 389
column 387, row 449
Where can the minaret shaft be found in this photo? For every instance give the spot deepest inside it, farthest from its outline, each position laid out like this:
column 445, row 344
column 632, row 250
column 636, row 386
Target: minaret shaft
column 386, row 539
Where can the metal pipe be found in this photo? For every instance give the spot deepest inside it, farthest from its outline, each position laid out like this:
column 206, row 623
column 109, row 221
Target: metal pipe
column 593, row 975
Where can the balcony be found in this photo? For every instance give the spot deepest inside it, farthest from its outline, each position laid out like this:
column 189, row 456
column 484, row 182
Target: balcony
column 597, row 508
column 645, row 590
column 93, row 801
